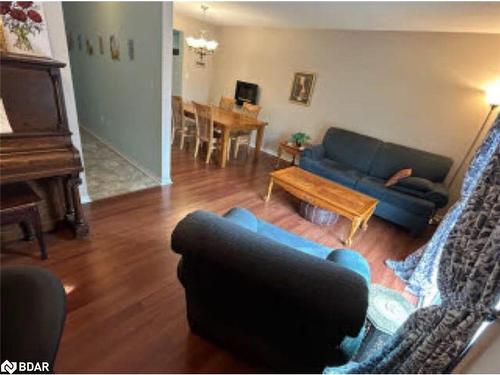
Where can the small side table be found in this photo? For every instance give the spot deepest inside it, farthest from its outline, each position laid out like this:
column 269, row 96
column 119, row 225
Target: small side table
column 291, row 149
column 19, row 205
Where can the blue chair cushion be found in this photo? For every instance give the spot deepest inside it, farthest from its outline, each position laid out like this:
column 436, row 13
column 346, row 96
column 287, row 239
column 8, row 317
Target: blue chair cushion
column 332, row 170
column 350, row 148
column 243, row 218
column 292, row 240
column 375, row 188
column 352, row 260
column 248, row 220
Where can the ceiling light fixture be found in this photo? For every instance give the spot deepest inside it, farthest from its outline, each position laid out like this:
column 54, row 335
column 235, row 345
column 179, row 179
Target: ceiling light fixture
column 201, row 46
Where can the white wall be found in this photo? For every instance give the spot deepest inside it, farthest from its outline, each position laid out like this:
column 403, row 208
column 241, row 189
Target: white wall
column 57, row 35
column 422, row 90
column 196, row 80
column 166, row 89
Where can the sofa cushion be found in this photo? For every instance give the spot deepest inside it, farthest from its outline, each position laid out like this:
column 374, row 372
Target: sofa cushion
column 438, row 195
column 390, row 158
column 351, row 149
column 425, row 189
column 416, row 183
column 409, row 191
column 375, row 187
column 292, row 240
column 332, row 170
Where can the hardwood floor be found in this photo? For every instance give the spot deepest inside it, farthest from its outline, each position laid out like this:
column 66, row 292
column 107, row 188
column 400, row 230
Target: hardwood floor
column 126, row 310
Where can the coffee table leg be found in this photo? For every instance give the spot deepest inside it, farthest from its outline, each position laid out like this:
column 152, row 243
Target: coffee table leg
column 269, row 189
column 354, row 227
column 364, row 226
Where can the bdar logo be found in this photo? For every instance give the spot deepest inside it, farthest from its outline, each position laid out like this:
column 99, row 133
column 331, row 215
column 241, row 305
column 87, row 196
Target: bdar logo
column 8, row 366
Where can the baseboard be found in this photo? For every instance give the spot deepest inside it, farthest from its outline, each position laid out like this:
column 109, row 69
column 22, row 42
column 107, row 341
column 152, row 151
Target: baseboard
column 273, row 152
column 135, row 163
column 166, row 181
column 85, row 199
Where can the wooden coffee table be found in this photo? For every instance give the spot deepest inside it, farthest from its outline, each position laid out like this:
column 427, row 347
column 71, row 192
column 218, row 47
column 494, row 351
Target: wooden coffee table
column 326, row 194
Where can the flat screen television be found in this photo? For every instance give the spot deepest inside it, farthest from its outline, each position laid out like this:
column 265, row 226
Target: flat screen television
column 246, row 92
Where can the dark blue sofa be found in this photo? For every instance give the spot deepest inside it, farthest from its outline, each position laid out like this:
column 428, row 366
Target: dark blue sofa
column 364, row 163
column 286, row 302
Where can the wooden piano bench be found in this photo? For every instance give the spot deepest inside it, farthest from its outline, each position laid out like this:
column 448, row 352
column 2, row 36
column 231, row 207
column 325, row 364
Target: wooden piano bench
column 19, row 205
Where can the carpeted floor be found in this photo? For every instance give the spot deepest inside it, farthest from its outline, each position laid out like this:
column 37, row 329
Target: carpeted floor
column 108, row 174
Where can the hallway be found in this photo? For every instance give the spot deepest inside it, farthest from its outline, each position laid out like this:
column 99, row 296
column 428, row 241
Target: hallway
column 108, row 173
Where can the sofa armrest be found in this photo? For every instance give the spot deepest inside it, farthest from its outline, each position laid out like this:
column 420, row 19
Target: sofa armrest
column 315, row 152
column 439, row 195
column 223, row 261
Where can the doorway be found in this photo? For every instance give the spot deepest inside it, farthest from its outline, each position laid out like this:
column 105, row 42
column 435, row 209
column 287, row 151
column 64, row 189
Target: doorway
column 116, row 68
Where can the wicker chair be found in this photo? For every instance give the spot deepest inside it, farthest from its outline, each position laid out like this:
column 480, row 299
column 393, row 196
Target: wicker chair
column 180, row 123
column 226, row 103
column 205, row 130
column 242, row 137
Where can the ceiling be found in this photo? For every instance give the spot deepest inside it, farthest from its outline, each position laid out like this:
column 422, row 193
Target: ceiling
column 476, row 17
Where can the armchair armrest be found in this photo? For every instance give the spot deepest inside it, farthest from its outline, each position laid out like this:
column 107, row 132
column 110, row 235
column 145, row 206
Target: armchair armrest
column 424, row 188
column 268, row 286
column 439, row 194
column 315, row 152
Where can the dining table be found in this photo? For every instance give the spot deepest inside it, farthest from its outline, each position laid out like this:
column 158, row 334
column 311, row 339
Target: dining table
column 229, row 122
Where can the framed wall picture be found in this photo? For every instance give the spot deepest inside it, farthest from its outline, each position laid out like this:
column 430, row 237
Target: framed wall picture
column 114, row 47
column 89, row 47
column 70, row 41
column 24, row 28
column 302, row 88
column 101, row 45
column 131, row 52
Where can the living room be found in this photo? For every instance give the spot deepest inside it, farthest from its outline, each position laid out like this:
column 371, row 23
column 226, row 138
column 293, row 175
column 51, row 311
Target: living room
column 237, row 261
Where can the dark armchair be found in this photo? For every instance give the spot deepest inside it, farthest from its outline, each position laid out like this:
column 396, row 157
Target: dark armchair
column 282, row 307
column 33, row 305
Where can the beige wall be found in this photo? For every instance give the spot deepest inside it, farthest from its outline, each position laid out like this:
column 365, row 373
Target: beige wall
column 196, row 80
column 483, row 357
column 418, row 89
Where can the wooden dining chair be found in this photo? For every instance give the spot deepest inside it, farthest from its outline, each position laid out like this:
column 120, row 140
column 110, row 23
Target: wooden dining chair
column 204, row 119
column 245, row 137
column 180, row 123
column 226, row 103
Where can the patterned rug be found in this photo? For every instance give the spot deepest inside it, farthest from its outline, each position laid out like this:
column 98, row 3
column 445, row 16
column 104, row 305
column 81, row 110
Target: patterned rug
column 387, row 311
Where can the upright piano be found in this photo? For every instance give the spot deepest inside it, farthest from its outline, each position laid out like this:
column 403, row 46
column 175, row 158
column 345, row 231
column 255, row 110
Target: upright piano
column 39, row 149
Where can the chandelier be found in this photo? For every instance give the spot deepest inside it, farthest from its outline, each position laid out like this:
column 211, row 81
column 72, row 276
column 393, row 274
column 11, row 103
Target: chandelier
column 201, row 46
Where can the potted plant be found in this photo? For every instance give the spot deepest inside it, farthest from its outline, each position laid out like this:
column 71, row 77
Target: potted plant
column 300, row 139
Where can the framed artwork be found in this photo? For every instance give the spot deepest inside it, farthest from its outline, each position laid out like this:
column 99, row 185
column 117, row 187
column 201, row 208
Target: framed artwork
column 101, row 45
column 302, row 88
column 89, row 47
column 24, row 29
column 70, row 41
column 131, row 52
column 114, row 47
